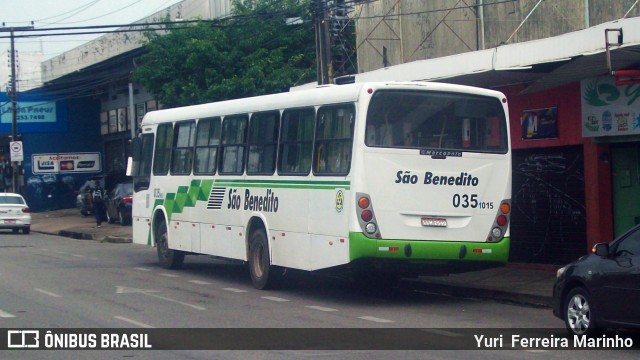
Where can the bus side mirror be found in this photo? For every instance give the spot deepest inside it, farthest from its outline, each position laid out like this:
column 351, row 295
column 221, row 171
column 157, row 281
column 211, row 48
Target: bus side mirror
column 601, row 249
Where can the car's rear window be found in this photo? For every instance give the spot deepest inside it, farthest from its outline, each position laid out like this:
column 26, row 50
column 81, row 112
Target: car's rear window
column 11, row 200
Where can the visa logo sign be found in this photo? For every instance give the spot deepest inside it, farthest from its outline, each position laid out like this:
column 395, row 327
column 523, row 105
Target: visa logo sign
column 46, row 165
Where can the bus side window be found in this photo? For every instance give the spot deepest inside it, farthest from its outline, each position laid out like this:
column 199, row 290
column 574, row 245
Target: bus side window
column 207, row 143
column 296, row 141
column 263, row 142
column 142, row 156
column 334, row 140
column 182, row 154
column 162, row 154
column 234, row 136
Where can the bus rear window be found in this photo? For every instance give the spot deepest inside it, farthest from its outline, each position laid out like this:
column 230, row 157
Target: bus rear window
column 436, row 120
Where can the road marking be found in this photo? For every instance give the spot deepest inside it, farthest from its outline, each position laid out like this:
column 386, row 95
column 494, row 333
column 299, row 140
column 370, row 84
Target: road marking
column 47, row 293
column 169, row 275
column 199, row 282
column 321, row 308
column 234, row 290
column 274, row 298
column 78, row 256
column 142, row 269
column 375, row 319
column 6, row 315
column 133, row 322
column 127, row 290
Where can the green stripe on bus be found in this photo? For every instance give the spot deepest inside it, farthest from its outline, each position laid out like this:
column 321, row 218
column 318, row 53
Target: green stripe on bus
column 361, row 246
column 199, row 190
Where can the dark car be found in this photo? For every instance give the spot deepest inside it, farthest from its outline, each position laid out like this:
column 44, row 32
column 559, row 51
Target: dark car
column 118, row 203
column 601, row 290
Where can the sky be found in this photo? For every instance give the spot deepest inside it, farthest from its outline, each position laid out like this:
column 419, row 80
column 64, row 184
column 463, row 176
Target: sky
column 67, row 13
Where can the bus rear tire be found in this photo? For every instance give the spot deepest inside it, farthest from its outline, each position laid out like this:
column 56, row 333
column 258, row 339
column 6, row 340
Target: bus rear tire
column 169, row 258
column 263, row 274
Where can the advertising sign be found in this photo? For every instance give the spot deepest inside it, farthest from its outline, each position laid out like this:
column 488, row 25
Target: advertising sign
column 540, row 124
column 608, row 109
column 29, row 112
column 66, row 163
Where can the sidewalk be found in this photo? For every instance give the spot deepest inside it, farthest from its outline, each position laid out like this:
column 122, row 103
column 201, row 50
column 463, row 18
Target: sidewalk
column 70, row 223
column 516, row 283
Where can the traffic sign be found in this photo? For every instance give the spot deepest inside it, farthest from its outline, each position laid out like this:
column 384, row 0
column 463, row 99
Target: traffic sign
column 16, row 151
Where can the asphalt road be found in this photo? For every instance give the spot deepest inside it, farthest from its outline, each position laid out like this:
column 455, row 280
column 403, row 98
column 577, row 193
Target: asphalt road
column 54, row 282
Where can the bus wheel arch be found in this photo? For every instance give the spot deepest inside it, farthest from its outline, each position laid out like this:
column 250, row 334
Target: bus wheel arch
column 264, row 275
column 168, row 258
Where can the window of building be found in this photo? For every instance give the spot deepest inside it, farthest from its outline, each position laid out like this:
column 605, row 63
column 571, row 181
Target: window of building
column 296, row 142
column 263, row 143
column 334, row 135
column 207, row 143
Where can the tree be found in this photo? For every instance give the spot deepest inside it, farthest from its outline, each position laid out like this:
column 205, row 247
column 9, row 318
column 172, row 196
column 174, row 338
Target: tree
column 253, row 52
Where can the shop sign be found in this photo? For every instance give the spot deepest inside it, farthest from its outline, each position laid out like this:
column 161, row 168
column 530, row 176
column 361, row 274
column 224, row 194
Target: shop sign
column 29, row 112
column 66, row 163
column 608, row 109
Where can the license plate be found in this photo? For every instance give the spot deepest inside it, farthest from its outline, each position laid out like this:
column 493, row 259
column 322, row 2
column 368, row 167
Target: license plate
column 9, row 221
column 434, row 222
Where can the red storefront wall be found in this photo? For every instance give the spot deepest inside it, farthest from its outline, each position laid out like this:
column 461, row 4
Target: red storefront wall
column 597, row 169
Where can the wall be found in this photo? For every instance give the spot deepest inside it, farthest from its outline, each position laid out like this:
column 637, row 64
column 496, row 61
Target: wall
column 430, row 29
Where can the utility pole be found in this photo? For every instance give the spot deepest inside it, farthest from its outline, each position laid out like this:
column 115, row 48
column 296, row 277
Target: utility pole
column 14, row 99
column 323, row 49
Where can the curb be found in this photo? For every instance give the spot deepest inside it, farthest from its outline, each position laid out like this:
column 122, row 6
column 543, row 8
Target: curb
column 117, row 240
column 78, row 235
column 490, row 294
column 75, row 235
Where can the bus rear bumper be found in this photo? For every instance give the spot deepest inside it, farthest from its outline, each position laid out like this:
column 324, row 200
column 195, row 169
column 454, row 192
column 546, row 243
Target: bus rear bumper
column 429, row 252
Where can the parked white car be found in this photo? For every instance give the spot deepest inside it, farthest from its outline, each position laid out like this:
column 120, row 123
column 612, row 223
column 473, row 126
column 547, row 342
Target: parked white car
column 14, row 213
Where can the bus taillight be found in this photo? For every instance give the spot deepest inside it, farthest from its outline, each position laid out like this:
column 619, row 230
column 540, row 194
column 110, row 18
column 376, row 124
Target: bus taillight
column 366, row 216
column 505, row 208
column 501, row 223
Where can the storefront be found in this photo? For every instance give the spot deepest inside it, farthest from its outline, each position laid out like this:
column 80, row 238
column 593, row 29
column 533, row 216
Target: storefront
column 611, row 116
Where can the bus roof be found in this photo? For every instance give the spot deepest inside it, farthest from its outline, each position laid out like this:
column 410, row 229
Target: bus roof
column 325, row 94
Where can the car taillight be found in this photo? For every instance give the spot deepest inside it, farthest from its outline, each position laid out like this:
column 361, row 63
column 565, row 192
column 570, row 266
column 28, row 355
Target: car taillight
column 127, row 199
column 26, row 210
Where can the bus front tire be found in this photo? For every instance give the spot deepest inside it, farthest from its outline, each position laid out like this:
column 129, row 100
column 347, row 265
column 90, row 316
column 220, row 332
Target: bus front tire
column 169, row 259
column 263, row 274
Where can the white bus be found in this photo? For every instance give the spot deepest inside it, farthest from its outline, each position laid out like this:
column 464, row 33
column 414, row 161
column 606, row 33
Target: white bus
column 379, row 179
